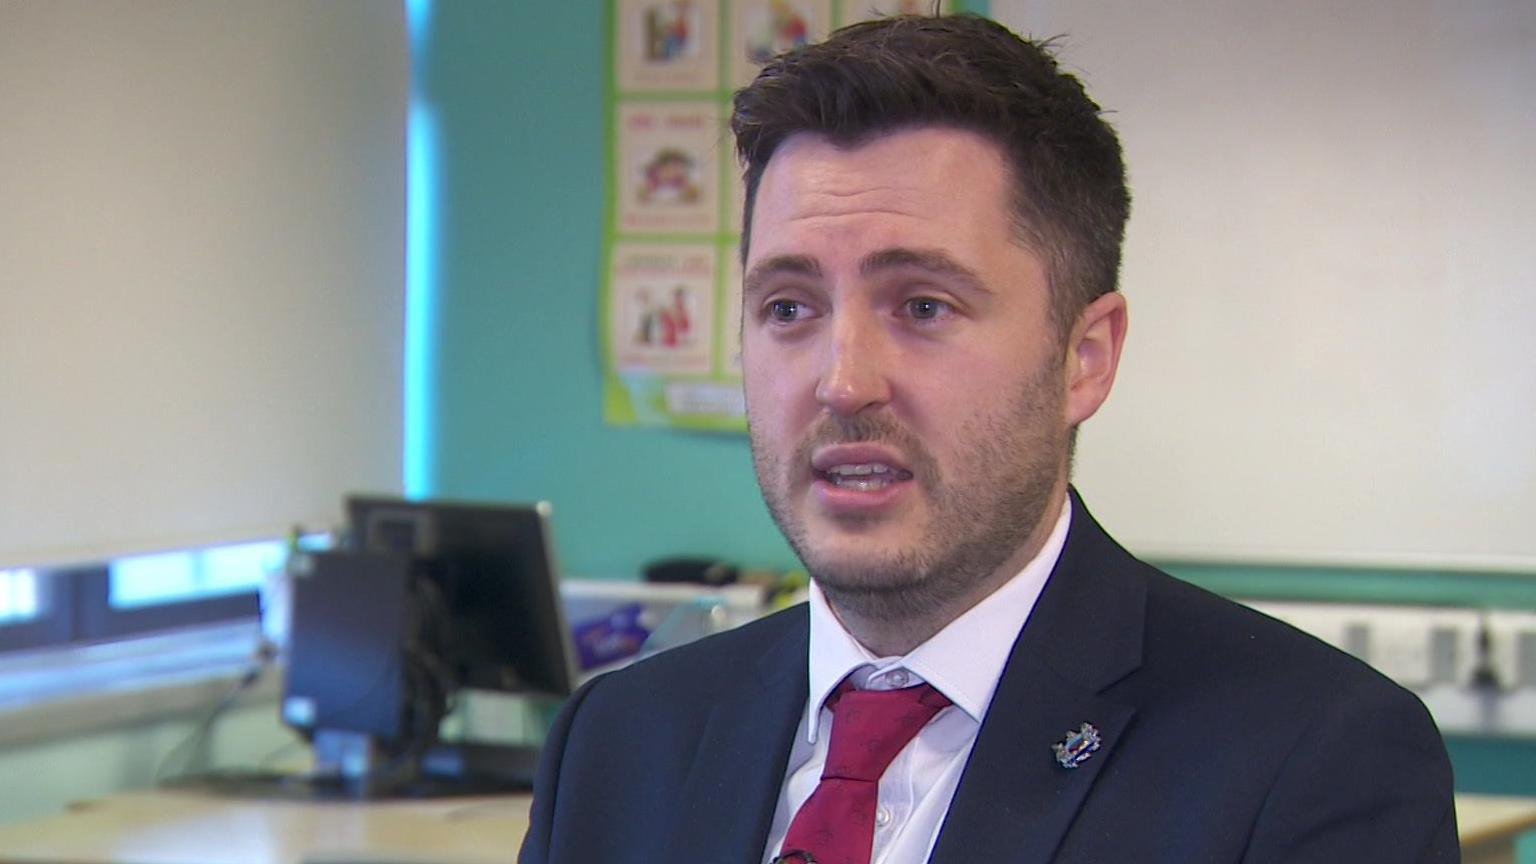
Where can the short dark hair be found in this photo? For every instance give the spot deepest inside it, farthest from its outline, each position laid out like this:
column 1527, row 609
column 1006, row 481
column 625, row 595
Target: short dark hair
column 967, row 72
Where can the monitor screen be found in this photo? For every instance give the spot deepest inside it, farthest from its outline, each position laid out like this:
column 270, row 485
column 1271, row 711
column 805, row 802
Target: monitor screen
column 489, row 597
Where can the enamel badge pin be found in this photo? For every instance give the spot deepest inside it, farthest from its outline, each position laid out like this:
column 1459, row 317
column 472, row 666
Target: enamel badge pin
column 1075, row 749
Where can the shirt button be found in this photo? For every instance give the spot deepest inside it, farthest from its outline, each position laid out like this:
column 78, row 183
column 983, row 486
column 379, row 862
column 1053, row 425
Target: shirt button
column 882, row 817
column 898, row 678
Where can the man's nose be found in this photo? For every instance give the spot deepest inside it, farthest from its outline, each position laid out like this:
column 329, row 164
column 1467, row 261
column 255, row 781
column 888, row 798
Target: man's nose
column 855, row 366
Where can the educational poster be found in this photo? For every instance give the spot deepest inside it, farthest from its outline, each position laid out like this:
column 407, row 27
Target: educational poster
column 669, row 170
column 762, row 29
column 663, row 308
column 668, row 45
column 671, row 286
column 666, row 338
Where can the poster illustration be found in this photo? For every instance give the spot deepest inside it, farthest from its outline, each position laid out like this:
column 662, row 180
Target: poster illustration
column 761, row 29
column 669, row 176
column 663, row 310
column 667, row 45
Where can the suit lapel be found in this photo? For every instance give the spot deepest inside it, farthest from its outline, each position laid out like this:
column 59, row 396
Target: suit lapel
column 732, row 788
column 1015, row 802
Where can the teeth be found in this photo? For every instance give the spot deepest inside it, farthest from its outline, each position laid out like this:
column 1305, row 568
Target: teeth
column 861, row 470
column 863, row 476
column 864, row 483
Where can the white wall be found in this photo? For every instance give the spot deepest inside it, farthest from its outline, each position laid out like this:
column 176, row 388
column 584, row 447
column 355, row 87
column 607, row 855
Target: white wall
column 1331, row 275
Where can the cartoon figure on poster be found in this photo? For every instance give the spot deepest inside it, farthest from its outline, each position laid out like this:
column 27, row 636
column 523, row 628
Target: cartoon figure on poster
column 667, row 45
column 777, row 31
column 766, row 28
column 665, row 320
column 669, row 30
column 663, row 308
column 669, row 177
column 668, row 167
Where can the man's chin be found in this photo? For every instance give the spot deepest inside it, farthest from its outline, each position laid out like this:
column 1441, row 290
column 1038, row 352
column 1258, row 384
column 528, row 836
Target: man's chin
column 853, row 571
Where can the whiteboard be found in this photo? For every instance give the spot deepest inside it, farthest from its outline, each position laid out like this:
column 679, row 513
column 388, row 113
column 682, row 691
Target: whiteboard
column 1331, row 273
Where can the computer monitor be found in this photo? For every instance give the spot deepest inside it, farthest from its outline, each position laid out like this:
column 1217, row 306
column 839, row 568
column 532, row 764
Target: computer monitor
column 423, row 600
column 493, row 569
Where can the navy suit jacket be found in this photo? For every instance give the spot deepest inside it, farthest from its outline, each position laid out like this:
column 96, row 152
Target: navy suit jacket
column 1227, row 737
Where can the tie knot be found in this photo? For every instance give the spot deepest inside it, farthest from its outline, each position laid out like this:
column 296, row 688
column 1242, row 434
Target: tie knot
column 869, row 727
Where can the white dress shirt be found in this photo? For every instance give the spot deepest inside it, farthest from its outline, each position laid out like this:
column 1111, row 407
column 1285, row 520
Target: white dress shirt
column 963, row 661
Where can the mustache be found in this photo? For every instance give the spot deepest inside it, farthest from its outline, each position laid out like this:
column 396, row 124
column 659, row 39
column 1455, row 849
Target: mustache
column 858, row 429
column 866, row 429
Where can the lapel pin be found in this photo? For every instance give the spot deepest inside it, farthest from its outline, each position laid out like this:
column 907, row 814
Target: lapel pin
column 1075, row 749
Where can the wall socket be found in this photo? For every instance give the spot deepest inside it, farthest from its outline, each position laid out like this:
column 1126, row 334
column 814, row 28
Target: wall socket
column 1417, row 647
column 1441, row 654
column 1512, row 648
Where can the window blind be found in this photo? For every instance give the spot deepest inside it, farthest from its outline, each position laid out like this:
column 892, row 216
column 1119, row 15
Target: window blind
column 202, row 276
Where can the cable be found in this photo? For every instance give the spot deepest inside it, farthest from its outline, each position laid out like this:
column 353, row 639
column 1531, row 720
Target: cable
column 265, row 653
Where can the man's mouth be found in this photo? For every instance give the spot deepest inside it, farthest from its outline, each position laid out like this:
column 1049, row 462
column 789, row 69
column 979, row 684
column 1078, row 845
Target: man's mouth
column 863, row 476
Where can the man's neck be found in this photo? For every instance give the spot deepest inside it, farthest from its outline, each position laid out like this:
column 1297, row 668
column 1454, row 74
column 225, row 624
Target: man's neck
column 896, row 628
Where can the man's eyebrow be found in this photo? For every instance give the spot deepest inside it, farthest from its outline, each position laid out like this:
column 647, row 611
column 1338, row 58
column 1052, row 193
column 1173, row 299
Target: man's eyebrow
column 794, row 265
column 931, row 260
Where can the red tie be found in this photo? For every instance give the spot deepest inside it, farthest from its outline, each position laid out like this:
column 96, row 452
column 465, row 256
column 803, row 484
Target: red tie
column 836, row 825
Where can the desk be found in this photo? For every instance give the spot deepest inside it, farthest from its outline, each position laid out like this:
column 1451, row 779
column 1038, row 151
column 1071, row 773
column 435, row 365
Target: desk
column 165, row 827
column 179, row 827
column 1496, row 829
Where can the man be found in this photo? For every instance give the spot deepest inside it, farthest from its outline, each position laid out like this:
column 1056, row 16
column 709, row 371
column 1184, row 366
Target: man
column 933, row 227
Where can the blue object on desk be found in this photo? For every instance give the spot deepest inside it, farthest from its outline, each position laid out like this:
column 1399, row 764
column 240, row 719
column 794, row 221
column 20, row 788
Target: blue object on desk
column 611, row 638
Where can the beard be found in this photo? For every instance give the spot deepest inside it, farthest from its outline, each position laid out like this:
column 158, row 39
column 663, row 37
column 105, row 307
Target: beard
column 982, row 510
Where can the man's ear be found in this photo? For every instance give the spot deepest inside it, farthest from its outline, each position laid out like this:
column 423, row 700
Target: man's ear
column 1093, row 355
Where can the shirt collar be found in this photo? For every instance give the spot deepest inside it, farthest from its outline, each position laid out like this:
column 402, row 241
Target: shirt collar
column 953, row 660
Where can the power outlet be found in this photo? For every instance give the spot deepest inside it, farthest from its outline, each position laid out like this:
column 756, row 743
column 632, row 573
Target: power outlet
column 1400, row 647
column 1512, row 648
column 1525, row 650
column 1416, row 647
column 1452, row 644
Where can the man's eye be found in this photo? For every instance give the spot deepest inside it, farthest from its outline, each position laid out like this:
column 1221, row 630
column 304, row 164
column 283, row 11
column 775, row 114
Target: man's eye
column 926, row 308
column 783, row 310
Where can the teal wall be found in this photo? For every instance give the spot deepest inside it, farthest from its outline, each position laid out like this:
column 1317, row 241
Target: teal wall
column 518, row 92
column 1493, row 766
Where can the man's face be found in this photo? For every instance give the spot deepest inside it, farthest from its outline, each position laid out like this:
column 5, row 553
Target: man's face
column 904, row 381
